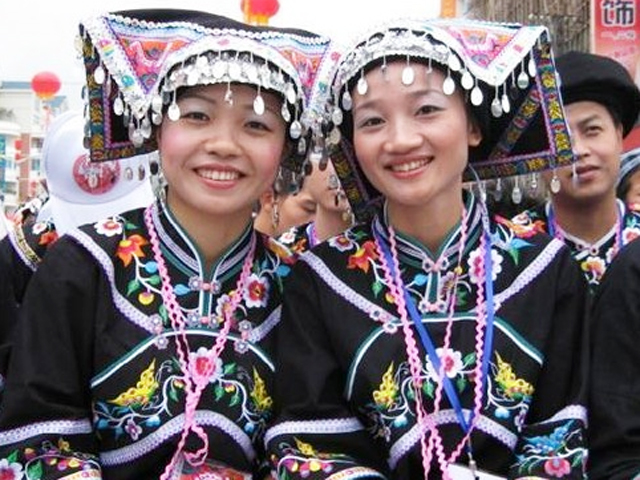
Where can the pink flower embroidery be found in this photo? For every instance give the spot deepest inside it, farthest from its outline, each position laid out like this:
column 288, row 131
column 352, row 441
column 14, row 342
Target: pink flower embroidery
column 133, row 429
column 629, row 234
column 203, row 367
column 475, row 261
column 255, row 295
column 451, row 361
column 11, row 471
column 557, row 467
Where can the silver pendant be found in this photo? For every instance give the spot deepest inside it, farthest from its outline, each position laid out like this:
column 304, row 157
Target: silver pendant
column 523, row 80
column 258, row 105
column 476, row 96
column 496, row 108
column 99, row 75
column 448, row 86
column 173, row 112
column 295, row 131
column 347, row 102
column 467, row 80
column 408, row 75
column 531, row 68
column 337, row 117
column 118, row 106
column 362, row 86
column 516, row 195
column 504, row 102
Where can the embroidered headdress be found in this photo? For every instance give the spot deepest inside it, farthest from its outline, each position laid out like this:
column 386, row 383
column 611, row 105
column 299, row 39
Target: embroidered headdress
column 506, row 71
column 136, row 61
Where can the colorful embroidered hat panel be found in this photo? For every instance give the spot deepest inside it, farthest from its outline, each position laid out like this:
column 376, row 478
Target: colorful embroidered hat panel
column 135, row 60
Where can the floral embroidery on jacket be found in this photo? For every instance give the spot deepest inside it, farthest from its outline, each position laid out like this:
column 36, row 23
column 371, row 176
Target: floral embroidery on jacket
column 159, row 393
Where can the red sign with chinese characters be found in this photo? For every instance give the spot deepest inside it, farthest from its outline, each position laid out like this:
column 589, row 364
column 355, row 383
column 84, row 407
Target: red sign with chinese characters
column 616, row 34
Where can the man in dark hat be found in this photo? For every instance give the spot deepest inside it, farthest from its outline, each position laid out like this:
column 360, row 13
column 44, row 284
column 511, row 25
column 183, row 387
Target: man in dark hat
column 602, row 104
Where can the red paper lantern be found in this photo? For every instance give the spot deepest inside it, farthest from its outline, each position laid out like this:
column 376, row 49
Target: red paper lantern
column 258, row 12
column 45, row 85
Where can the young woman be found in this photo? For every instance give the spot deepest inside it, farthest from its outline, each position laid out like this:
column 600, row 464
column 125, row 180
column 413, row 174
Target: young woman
column 281, row 211
column 431, row 342
column 147, row 341
column 76, row 192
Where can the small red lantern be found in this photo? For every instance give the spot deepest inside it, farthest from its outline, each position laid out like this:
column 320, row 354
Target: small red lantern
column 258, row 12
column 45, row 85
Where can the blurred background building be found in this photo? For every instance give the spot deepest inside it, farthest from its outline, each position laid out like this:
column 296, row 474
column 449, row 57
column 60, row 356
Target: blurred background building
column 25, row 111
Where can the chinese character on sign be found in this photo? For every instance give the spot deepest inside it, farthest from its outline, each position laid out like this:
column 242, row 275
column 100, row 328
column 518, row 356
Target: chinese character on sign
column 621, row 13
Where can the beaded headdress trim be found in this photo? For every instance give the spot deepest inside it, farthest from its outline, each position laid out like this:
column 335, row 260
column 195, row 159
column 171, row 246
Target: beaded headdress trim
column 134, row 67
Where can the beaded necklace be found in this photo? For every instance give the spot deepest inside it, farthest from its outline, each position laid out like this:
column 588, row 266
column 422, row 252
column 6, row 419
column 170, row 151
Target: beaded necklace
column 484, row 342
column 197, row 373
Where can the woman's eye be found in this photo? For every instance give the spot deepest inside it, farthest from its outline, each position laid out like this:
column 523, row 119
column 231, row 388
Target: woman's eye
column 255, row 125
column 195, row 116
column 427, row 109
column 370, row 122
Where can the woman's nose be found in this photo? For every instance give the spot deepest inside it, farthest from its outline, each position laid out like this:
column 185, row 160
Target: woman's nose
column 221, row 139
column 403, row 136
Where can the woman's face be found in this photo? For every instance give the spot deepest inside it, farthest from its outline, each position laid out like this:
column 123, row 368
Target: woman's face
column 219, row 157
column 412, row 141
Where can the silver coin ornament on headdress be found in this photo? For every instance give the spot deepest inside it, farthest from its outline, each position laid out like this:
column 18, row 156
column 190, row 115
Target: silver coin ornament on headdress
column 417, row 42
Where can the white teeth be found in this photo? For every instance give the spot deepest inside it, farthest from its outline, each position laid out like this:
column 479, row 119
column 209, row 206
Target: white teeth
column 224, row 175
column 407, row 167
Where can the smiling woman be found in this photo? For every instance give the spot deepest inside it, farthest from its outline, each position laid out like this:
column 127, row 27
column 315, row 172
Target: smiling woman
column 407, row 348
column 155, row 327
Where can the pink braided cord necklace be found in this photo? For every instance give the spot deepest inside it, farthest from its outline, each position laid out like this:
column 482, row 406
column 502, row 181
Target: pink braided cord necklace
column 425, row 421
column 197, row 372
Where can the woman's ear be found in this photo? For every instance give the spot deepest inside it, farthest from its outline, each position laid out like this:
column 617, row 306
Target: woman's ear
column 474, row 134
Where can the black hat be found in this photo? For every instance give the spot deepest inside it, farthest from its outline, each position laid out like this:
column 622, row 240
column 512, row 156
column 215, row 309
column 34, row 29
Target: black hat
column 596, row 78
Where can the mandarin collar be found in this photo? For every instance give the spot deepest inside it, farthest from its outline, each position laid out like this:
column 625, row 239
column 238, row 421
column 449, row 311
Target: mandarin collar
column 181, row 251
column 412, row 251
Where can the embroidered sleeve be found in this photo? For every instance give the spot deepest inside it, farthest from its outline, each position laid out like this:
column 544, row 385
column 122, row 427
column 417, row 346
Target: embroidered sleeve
column 315, row 435
column 45, row 421
column 552, row 442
